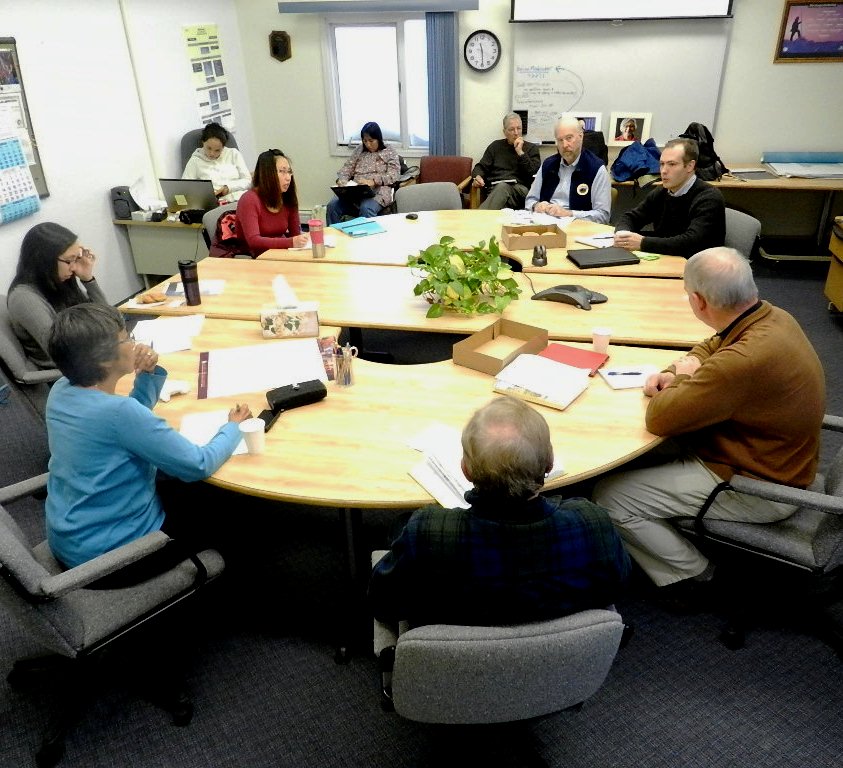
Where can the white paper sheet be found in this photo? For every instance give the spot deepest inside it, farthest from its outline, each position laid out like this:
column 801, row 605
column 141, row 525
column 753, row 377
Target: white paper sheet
column 264, row 366
column 199, row 428
column 206, row 288
column 627, row 376
column 168, row 334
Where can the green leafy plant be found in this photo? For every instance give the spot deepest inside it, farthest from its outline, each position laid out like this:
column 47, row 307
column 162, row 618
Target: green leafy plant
column 465, row 280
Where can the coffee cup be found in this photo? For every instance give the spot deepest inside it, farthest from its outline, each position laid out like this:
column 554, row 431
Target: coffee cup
column 253, row 434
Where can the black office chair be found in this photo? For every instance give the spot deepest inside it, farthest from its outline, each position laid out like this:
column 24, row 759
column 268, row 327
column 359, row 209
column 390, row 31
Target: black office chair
column 57, row 611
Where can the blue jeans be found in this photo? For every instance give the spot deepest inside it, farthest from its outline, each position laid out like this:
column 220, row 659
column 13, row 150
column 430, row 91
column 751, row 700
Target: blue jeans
column 337, row 209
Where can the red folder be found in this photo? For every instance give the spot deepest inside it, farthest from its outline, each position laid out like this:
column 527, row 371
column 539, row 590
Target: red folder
column 579, row 358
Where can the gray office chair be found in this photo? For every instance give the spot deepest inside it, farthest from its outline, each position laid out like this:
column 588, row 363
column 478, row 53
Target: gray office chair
column 31, row 381
column 809, row 542
column 56, row 610
column 433, row 196
column 192, row 140
column 742, row 231
column 470, row 675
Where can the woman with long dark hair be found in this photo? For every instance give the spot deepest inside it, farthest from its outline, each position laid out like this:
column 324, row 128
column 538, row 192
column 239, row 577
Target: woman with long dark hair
column 372, row 164
column 221, row 164
column 54, row 272
column 268, row 213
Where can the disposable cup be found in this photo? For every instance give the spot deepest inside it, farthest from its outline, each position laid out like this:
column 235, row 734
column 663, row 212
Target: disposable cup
column 253, row 434
column 600, row 339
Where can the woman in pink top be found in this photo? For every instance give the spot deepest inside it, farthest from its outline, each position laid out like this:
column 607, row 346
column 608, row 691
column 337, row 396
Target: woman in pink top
column 268, row 213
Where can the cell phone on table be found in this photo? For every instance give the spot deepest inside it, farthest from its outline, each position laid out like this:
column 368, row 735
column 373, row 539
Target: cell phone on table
column 269, row 418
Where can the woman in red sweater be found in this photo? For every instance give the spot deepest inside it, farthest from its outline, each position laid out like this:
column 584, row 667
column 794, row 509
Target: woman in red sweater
column 268, row 213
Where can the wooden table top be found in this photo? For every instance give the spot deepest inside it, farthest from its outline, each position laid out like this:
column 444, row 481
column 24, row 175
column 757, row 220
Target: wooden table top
column 405, row 237
column 640, row 311
column 350, row 450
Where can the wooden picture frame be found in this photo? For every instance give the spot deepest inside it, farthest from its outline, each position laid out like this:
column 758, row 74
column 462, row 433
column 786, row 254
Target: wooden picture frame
column 618, row 125
column 810, row 32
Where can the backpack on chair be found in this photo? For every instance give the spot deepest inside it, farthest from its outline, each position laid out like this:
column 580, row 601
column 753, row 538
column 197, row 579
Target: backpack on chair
column 225, row 243
column 709, row 166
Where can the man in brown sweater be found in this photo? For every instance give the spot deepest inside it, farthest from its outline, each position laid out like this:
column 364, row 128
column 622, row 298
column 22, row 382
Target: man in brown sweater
column 749, row 401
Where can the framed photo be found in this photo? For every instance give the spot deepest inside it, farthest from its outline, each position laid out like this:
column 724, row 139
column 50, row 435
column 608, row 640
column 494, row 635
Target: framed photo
column 810, row 32
column 626, row 127
column 591, row 120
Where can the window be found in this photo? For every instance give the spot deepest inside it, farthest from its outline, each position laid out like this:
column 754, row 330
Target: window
column 392, row 91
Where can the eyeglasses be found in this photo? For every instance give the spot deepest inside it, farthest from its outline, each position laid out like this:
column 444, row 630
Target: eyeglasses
column 285, row 171
column 71, row 262
column 78, row 257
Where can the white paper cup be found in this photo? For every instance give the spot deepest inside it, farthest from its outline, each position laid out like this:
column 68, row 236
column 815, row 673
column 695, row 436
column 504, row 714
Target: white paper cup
column 253, row 434
column 600, row 339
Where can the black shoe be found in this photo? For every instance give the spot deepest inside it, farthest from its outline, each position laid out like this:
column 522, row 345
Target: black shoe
column 688, row 596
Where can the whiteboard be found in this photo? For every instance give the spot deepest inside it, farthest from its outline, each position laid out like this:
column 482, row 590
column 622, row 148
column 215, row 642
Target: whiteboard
column 671, row 69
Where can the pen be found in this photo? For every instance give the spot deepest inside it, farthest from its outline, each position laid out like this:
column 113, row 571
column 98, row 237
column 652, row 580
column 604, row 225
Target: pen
column 605, row 237
column 624, row 373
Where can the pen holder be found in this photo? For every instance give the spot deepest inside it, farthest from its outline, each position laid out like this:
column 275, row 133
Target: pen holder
column 344, row 366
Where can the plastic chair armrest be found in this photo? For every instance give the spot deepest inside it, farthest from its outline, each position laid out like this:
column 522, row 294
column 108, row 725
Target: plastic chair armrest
column 105, row 564
column 833, row 423
column 24, row 488
column 40, row 377
column 784, row 493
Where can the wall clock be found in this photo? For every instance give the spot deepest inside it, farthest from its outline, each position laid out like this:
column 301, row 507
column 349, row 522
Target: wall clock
column 482, row 50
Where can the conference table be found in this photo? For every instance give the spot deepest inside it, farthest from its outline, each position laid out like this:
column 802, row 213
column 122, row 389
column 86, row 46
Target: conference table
column 403, row 237
column 640, row 311
column 351, row 449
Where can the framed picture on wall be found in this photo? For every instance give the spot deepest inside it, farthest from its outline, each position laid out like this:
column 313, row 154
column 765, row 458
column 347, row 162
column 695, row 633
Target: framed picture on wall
column 626, row 127
column 591, row 121
column 810, row 32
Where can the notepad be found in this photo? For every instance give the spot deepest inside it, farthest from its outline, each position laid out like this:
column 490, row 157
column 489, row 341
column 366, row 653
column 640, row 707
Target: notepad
column 542, row 380
column 359, row 227
column 627, row 377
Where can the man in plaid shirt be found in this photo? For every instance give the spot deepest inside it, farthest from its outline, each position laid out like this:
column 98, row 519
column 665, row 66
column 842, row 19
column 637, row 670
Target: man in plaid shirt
column 514, row 556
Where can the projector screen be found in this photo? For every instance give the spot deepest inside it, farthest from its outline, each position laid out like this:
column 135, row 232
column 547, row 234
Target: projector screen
column 593, row 10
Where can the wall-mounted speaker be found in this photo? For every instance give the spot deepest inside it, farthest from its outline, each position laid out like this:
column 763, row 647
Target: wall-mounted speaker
column 122, row 203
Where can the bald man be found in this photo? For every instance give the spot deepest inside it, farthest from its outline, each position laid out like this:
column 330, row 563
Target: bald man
column 574, row 181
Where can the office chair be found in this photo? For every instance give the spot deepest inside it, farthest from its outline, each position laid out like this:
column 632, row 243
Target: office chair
column 807, row 546
column 31, row 381
column 742, row 231
column 453, row 168
column 434, row 196
column 467, row 675
column 225, row 249
column 75, row 623
column 192, row 140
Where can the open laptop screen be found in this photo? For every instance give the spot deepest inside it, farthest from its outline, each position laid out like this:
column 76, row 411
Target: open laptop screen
column 189, row 194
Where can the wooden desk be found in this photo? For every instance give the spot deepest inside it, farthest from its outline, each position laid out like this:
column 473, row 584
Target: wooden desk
column 158, row 246
column 640, row 311
column 405, row 237
column 350, row 450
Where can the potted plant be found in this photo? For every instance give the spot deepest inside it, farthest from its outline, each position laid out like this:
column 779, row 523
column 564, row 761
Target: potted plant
column 465, row 280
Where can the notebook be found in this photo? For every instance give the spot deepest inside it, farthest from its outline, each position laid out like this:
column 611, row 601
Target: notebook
column 189, row 194
column 589, row 258
column 579, row 358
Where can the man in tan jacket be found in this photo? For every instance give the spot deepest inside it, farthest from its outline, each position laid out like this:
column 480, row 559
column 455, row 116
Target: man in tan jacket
column 749, row 401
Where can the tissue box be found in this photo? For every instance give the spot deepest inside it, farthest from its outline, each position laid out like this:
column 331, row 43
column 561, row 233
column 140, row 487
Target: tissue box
column 287, row 322
column 141, row 215
column 517, row 237
column 496, row 346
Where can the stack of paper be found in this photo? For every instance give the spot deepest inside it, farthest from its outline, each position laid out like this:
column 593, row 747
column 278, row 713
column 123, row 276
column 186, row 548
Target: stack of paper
column 168, row 334
column 543, row 381
column 440, row 471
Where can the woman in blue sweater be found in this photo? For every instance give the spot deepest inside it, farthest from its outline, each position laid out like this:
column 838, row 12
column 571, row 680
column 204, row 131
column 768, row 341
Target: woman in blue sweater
column 105, row 449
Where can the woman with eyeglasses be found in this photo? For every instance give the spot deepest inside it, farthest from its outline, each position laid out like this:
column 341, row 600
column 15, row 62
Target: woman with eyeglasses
column 105, row 448
column 54, row 272
column 372, row 164
column 268, row 213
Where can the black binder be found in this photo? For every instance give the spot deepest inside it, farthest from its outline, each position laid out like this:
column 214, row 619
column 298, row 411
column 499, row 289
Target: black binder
column 589, row 258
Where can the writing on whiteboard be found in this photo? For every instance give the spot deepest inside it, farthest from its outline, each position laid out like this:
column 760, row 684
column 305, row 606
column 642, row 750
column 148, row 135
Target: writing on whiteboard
column 545, row 92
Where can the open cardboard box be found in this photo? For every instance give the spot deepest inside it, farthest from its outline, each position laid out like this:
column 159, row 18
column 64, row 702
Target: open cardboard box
column 496, row 346
column 517, row 237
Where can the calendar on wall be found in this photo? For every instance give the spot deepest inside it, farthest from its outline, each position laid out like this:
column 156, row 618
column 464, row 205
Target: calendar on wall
column 18, row 195
column 14, row 114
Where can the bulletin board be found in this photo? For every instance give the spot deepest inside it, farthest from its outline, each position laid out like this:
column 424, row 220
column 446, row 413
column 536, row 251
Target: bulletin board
column 671, row 69
column 14, row 112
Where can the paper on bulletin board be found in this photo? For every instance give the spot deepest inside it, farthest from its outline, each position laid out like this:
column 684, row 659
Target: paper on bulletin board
column 210, row 81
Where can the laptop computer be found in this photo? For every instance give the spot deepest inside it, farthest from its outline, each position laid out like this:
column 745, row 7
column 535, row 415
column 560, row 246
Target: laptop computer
column 589, row 258
column 189, row 194
column 354, row 192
